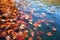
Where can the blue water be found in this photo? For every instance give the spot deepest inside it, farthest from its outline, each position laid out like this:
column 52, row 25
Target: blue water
column 55, row 16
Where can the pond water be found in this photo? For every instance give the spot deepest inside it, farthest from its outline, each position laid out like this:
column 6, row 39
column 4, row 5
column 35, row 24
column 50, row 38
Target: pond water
column 52, row 13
